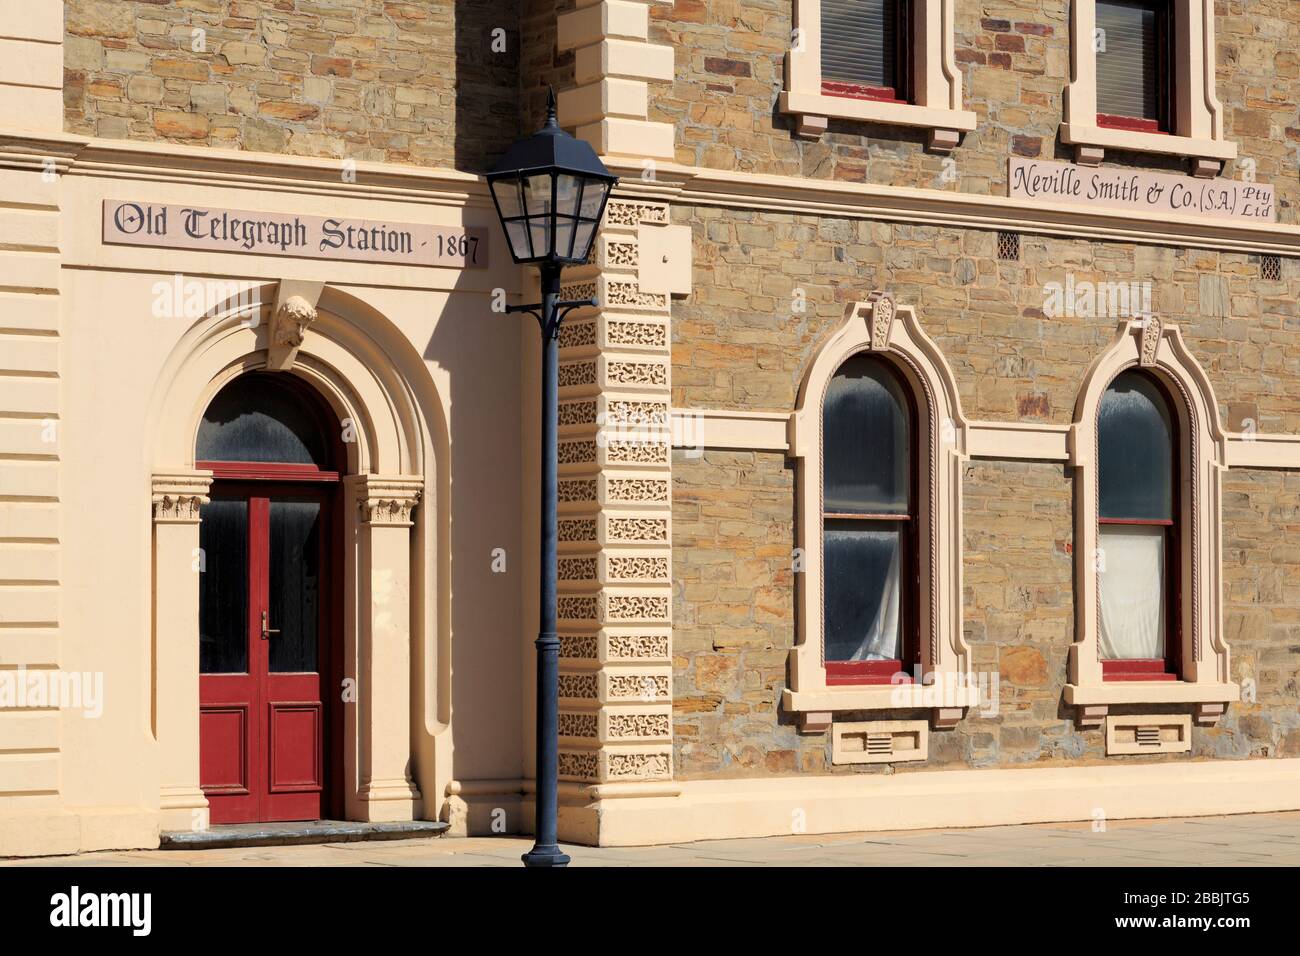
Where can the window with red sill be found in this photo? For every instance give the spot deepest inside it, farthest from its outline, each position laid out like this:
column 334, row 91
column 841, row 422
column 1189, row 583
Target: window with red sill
column 866, row 49
column 869, row 524
column 1138, row 566
column 1135, row 60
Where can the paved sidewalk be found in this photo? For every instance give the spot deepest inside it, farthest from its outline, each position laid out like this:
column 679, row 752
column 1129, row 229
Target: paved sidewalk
column 1265, row 839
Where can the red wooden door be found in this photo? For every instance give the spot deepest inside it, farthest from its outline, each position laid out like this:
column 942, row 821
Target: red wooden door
column 265, row 627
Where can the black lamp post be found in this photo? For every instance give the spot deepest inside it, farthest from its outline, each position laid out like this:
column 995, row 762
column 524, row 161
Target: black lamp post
column 550, row 192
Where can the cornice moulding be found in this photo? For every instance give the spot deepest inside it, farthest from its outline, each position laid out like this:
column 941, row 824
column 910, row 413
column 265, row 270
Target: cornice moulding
column 935, row 207
column 199, row 165
column 670, row 182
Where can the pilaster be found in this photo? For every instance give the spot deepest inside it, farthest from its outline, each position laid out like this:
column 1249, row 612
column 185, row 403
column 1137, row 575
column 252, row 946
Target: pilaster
column 615, row 581
column 381, row 787
column 31, row 66
column 33, row 157
column 178, row 499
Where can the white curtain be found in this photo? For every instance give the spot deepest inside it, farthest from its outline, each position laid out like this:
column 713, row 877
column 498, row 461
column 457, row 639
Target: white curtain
column 1131, row 577
column 881, row 641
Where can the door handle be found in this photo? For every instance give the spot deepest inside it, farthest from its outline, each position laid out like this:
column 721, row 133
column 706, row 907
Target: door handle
column 267, row 630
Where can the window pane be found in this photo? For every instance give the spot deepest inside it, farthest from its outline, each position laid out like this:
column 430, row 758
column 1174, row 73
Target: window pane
column 1131, row 577
column 866, row 425
column 1126, row 67
column 537, row 195
column 256, row 418
column 593, row 195
column 582, row 236
column 859, row 42
column 294, row 584
column 223, row 587
column 508, row 197
column 517, row 233
column 564, row 236
column 567, row 192
column 1135, row 442
column 864, row 567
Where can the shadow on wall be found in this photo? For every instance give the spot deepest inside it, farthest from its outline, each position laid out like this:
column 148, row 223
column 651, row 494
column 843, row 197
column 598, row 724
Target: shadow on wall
column 486, row 64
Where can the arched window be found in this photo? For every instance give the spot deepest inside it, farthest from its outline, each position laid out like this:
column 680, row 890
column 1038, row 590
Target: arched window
column 869, row 523
column 271, row 423
column 879, row 442
column 1138, row 551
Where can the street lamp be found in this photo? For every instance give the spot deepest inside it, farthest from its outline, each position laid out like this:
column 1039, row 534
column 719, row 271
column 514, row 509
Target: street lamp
column 550, row 192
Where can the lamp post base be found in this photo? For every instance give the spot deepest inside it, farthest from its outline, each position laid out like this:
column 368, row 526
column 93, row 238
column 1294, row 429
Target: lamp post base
column 549, row 855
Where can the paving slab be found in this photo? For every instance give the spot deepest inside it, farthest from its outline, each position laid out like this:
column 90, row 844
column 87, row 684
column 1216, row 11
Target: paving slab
column 1251, row 840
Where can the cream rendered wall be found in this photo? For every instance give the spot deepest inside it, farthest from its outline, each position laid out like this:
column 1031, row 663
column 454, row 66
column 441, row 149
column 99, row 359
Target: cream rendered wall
column 31, row 65
column 108, row 354
column 31, row 744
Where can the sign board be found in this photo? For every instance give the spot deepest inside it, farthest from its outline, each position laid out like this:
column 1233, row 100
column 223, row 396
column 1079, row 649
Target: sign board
column 284, row 234
column 1158, row 194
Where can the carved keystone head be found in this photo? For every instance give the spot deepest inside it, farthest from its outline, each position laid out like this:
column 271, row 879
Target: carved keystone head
column 292, row 320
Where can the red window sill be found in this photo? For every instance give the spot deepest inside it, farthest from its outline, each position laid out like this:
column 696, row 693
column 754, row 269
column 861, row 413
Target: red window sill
column 1137, row 670
column 839, row 673
column 1133, row 124
column 856, row 91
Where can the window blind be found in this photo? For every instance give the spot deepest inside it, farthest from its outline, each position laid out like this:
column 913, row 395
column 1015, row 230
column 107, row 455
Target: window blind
column 1128, row 65
column 859, row 42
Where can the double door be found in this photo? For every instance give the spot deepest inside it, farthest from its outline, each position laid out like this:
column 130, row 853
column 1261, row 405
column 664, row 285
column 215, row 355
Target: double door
column 267, row 622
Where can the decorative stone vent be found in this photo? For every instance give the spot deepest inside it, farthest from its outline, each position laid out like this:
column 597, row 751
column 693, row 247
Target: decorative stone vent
column 880, row 741
column 1149, row 734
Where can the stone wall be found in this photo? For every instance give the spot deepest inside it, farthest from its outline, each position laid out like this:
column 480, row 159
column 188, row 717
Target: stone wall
column 734, row 606
column 740, row 343
column 402, row 82
column 1014, row 56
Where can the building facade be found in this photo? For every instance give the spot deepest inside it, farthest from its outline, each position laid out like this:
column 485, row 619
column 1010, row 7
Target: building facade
column 931, row 458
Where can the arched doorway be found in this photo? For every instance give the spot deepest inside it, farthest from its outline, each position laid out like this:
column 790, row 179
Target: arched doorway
column 270, row 602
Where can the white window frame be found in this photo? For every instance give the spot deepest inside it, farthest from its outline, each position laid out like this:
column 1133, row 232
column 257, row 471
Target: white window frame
column 936, row 79
column 882, row 328
column 1197, row 113
column 1205, row 676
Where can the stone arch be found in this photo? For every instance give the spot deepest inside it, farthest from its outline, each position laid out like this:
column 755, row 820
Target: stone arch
column 396, row 478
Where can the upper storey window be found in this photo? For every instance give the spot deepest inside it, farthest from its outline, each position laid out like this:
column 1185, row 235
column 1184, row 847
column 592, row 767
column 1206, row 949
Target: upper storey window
column 1134, row 65
column 889, row 62
column 1142, row 79
column 865, row 49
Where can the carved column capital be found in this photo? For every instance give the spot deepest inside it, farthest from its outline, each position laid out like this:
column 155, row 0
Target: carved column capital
column 386, row 500
column 178, row 496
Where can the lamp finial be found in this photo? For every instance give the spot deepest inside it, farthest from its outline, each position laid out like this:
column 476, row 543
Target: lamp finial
column 551, row 118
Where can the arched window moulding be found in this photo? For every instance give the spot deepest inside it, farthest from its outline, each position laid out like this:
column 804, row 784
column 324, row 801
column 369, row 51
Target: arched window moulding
column 1205, row 678
column 947, row 685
